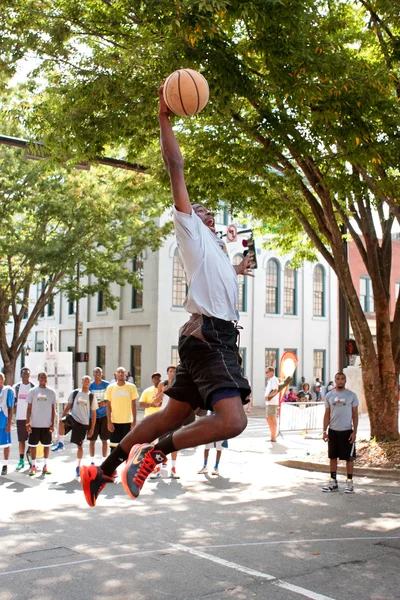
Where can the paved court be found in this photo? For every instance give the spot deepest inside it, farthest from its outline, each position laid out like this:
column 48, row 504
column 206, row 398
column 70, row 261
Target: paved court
column 259, row 530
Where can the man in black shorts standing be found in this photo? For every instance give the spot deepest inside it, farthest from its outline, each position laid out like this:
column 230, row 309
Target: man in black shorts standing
column 209, row 375
column 79, row 417
column 341, row 415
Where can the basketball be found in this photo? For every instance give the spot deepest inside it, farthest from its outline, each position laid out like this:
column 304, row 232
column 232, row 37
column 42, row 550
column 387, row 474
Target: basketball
column 186, row 92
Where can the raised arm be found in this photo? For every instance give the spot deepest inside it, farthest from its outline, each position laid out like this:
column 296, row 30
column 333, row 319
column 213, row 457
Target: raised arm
column 172, row 157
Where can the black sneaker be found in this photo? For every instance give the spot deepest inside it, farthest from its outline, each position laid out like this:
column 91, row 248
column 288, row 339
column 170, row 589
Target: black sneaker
column 4, row 470
column 141, row 462
column 332, row 486
column 93, row 481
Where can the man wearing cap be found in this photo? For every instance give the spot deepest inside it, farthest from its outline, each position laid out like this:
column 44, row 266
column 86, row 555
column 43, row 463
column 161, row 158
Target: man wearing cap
column 148, row 399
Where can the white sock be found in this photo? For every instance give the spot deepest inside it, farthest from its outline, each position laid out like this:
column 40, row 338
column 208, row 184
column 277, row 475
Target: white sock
column 61, row 438
column 5, row 463
column 33, row 462
column 79, row 462
column 173, row 463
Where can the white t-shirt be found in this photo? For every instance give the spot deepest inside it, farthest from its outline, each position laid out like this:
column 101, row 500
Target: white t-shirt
column 272, row 384
column 22, row 404
column 212, row 280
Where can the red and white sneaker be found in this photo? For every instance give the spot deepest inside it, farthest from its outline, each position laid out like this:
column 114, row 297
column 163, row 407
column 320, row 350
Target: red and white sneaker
column 174, row 474
column 142, row 461
column 93, row 481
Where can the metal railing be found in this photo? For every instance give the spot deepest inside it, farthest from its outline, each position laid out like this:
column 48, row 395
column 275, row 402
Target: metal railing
column 301, row 416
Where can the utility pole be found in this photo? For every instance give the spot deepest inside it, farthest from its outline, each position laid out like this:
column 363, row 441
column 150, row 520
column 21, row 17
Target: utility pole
column 78, row 275
column 344, row 330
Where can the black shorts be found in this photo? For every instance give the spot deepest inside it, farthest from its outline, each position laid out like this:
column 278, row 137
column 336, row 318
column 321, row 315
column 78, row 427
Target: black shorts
column 120, row 431
column 100, row 429
column 21, row 430
column 39, row 434
column 339, row 445
column 78, row 429
column 208, row 364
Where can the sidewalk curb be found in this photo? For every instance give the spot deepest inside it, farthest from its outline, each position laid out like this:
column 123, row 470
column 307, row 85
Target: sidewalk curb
column 359, row 471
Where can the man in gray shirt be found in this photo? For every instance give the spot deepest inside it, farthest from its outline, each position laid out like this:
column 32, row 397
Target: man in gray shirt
column 40, row 415
column 79, row 416
column 341, row 415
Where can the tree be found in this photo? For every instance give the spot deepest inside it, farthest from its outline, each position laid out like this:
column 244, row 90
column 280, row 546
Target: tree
column 302, row 130
column 51, row 218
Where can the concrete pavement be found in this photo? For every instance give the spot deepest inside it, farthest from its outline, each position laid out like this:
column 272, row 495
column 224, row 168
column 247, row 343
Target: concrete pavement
column 259, row 530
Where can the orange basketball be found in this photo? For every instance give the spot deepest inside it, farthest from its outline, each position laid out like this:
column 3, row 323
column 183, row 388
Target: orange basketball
column 186, row 92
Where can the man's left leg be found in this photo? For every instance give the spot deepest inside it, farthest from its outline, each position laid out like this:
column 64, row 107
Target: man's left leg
column 228, row 420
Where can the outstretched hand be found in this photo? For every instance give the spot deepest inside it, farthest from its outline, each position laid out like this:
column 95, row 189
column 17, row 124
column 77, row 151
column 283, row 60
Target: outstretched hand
column 243, row 268
column 163, row 108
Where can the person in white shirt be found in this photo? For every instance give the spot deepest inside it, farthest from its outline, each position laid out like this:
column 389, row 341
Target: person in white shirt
column 21, row 390
column 209, row 375
column 272, row 401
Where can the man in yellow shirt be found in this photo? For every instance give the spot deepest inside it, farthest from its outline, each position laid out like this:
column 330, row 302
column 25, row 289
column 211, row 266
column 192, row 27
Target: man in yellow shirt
column 148, row 399
column 121, row 407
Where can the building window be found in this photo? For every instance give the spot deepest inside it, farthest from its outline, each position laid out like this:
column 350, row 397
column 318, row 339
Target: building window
column 366, row 295
column 179, row 286
column 272, row 287
column 71, row 307
column 39, row 346
column 25, row 315
column 221, row 216
column 136, row 365
column 101, row 306
column 50, row 308
column 174, row 356
column 242, row 352
column 319, row 365
column 289, row 300
column 137, row 295
column 272, row 358
column 40, row 292
column 242, row 298
column 319, row 292
column 294, row 350
column 101, row 357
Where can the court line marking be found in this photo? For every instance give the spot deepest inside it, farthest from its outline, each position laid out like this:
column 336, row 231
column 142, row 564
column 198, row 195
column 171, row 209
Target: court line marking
column 273, row 580
column 197, row 549
column 85, row 560
column 272, row 542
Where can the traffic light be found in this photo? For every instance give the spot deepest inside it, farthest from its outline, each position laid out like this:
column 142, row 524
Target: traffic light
column 81, row 356
column 351, row 347
column 250, row 251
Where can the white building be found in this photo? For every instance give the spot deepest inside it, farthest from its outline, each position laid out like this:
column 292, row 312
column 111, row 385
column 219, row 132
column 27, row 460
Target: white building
column 280, row 309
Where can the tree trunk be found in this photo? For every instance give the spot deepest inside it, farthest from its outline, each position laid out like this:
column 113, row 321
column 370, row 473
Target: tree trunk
column 9, row 370
column 381, row 394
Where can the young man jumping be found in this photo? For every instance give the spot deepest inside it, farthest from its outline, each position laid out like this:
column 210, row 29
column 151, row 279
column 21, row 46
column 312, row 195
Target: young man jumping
column 209, row 375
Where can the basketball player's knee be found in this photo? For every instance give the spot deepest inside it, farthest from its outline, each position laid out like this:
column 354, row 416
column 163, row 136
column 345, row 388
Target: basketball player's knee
column 236, row 426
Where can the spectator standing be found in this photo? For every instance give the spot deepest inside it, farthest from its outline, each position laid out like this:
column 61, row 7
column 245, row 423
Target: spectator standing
column 6, row 411
column 21, row 391
column 79, row 416
column 317, row 389
column 272, row 401
column 331, row 386
column 304, row 394
column 341, row 416
column 98, row 387
column 150, row 399
column 121, row 407
column 129, row 377
column 40, row 416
